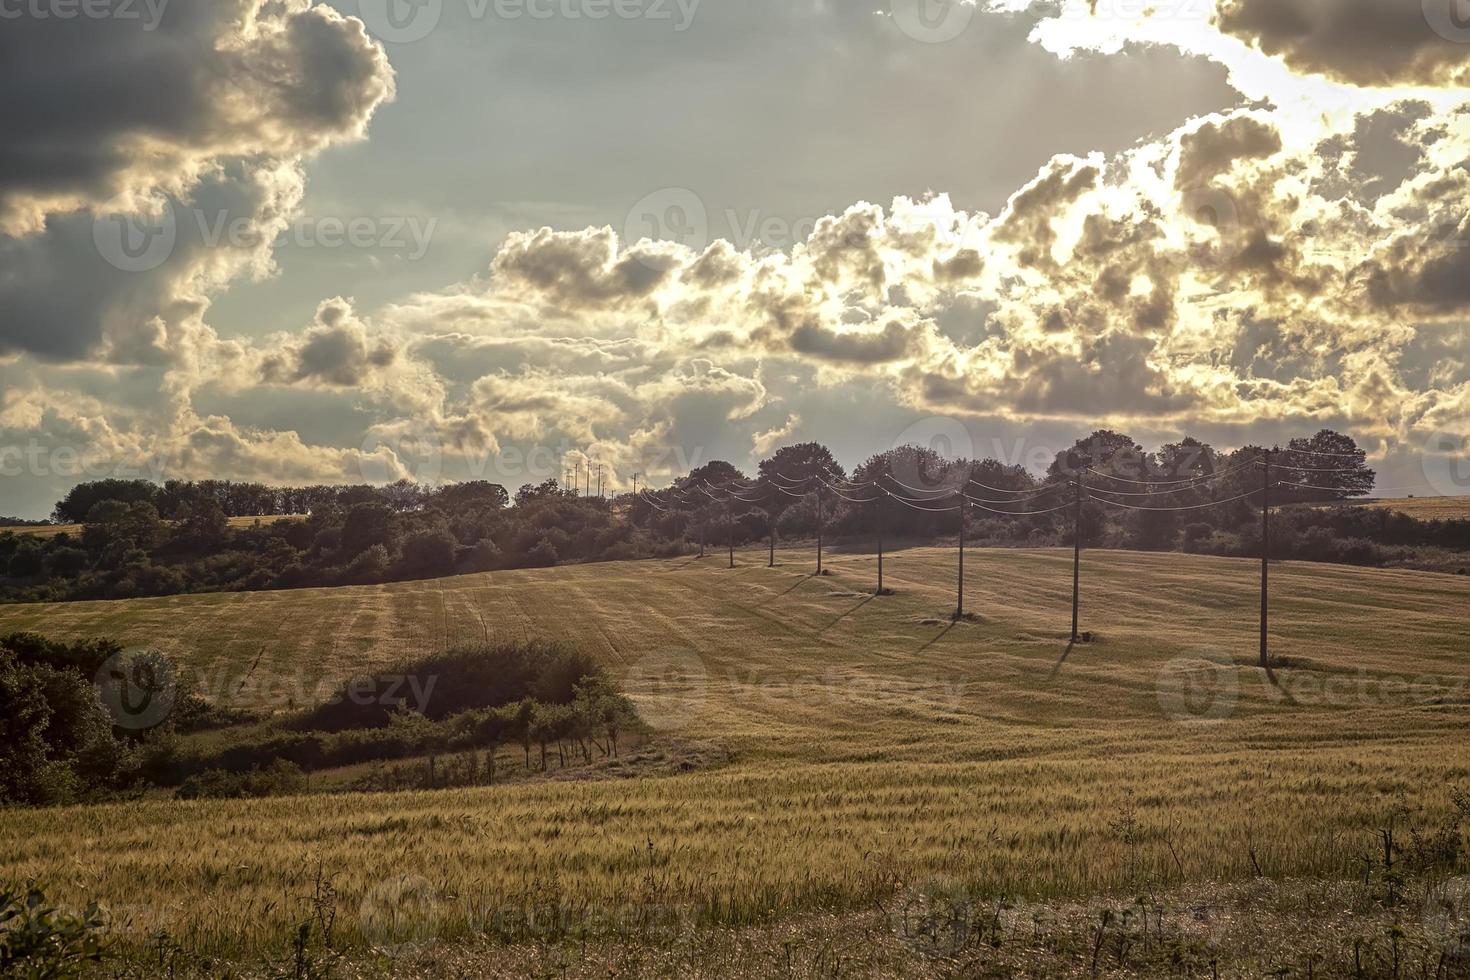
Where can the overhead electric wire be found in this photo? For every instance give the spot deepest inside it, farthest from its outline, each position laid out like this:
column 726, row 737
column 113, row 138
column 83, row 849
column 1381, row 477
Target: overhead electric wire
column 1308, row 452
column 985, row 486
column 1161, row 510
column 1218, row 474
column 931, row 510
column 1146, row 493
column 649, row 501
column 794, row 496
column 1011, row 513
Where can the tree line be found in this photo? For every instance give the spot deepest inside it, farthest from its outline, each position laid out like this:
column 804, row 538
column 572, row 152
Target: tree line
column 141, row 539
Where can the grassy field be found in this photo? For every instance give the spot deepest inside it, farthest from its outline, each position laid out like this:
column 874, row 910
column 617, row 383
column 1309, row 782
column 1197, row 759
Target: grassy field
column 874, row 744
column 1426, row 508
column 52, row 530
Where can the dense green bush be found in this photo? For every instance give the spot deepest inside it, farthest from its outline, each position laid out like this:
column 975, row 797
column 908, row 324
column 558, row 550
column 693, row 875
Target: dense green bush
column 277, row 778
column 40, row 941
column 477, row 697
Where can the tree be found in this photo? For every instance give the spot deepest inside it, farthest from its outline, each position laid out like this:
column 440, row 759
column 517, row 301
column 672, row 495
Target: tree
column 80, row 499
column 1104, row 450
column 479, row 493
column 534, row 492
column 800, row 462
column 429, row 553
column 56, row 739
column 1328, row 460
column 367, row 524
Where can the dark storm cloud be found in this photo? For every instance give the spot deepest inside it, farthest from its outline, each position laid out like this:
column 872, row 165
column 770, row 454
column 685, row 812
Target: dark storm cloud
column 1363, row 42
column 892, row 343
column 193, row 127
column 99, row 105
column 1214, row 148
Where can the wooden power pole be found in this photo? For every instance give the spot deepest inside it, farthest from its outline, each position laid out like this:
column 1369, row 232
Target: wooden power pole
column 819, row 527
column 1265, row 559
column 959, row 612
column 1077, row 562
column 882, row 514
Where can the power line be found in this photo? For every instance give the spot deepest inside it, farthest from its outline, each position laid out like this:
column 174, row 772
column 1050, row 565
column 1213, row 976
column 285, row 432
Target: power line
column 1164, row 510
column 1218, row 474
column 1012, row 513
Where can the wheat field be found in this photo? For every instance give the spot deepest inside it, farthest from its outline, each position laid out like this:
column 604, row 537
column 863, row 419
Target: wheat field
column 873, row 742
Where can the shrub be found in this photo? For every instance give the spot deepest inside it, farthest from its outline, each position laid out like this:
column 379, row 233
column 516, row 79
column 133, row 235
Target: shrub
column 278, row 778
column 39, row 941
column 428, row 553
column 56, row 739
column 542, row 554
column 446, row 684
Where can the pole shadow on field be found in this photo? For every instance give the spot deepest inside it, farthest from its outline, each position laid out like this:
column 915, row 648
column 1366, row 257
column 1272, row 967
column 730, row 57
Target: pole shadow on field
column 942, row 634
column 1065, row 654
column 847, row 614
column 798, row 584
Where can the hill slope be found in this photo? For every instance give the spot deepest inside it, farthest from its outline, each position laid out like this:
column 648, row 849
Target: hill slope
column 874, row 742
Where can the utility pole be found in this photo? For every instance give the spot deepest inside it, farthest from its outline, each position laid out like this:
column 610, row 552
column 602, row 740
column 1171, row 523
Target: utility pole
column 635, row 484
column 771, row 514
column 577, row 487
column 819, row 527
column 1265, row 559
column 730, row 530
column 882, row 512
column 959, row 612
column 703, row 527
column 1077, row 561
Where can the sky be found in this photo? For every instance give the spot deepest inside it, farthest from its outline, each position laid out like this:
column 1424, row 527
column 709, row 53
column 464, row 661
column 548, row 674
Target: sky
column 302, row 242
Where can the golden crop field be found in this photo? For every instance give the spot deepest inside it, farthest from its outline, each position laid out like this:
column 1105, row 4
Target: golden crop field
column 1426, row 508
column 52, row 530
column 873, row 743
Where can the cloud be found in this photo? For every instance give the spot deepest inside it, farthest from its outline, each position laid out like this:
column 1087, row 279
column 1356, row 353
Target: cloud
column 115, row 110
column 767, row 442
column 1362, row 42
column 183, row 140
column 335, row 351
column 1254, row 265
